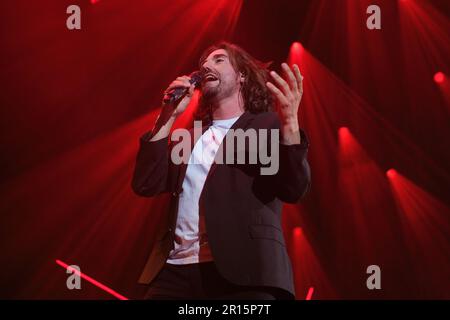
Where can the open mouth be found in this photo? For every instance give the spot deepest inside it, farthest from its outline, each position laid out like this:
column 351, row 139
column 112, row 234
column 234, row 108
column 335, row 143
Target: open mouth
column 210, row 78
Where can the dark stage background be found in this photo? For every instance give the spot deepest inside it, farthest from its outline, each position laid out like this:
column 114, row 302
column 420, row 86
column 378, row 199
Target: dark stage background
column 376, row 107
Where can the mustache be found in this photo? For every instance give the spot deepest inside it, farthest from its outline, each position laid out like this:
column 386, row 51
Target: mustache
column 206, row 72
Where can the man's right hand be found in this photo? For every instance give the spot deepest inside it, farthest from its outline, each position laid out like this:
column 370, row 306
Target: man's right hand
column 170, row 112
column 180, row 82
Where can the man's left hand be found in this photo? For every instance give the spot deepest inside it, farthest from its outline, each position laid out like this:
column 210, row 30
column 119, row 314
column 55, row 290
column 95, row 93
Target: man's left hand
column 288, row 92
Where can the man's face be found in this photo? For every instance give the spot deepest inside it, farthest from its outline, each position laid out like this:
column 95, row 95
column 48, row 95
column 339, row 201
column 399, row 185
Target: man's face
column 221, row 79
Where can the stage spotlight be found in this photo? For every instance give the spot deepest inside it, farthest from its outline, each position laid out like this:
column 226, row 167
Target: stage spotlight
column 295, row 53
column 297, row 231
column 391, row 173
column 439, row 77
column 343, row 131
column 296, row 46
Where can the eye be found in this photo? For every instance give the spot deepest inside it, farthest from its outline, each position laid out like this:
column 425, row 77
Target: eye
column 219, row 60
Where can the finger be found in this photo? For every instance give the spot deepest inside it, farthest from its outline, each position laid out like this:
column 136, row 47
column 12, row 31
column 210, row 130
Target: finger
column 280, row 82
column 299, row 78
column 185, row 79
column 181, row 83
column 191, row 90
column 277, row 93
column 290, row 77
column 177, row 84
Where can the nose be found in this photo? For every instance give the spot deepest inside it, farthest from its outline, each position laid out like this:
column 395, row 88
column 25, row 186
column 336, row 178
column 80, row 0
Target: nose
column 208, row 64
column 205, row 69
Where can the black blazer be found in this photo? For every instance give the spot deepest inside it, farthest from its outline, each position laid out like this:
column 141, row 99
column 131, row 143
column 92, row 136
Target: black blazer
column 242, row 208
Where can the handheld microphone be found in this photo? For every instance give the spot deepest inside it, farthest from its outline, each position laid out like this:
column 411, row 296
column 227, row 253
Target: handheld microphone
column 177, row 93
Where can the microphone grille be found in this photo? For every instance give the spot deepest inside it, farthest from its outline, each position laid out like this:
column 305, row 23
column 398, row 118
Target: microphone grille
column 196, row 77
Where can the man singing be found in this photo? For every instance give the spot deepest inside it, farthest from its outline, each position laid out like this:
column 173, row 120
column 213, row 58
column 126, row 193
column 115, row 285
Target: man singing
column 222, row 237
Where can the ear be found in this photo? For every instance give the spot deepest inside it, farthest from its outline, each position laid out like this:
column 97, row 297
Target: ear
column 242, row 76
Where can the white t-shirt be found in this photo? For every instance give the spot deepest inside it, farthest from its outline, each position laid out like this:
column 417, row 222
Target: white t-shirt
column 191, row 241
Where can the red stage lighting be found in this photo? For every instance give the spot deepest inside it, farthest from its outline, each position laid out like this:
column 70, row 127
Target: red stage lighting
column 310, row 293
column 391, row 173
column 295, row 53
column 439, row 77
column 343, row 132
column 296, row 47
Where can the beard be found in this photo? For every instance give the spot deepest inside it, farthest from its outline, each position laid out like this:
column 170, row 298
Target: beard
column 212, row 93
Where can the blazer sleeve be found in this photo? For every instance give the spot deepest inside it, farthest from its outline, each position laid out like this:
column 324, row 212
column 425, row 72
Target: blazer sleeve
column 293, row 179
column 151, row 171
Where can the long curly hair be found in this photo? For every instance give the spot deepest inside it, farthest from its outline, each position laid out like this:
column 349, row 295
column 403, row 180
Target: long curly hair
column 255, row 94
